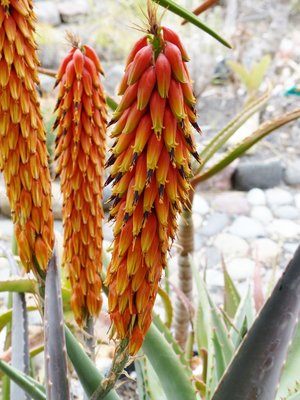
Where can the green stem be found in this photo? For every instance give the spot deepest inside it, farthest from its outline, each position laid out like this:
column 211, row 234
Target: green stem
column 189, row 16
column 119, row 362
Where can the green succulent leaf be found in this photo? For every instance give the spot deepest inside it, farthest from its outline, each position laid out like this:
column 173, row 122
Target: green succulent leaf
column 232, row 297
column 149, row 386
column 31, row 387
column 255, row 370
column 218, row 141
column 167, row 306
column 166, row 364
column 5, row 318
column 86, row 370
column 243, row 319
column 189, row 16
column 241, row 72
column 55, row 347
column 21, row 285
column 258, row 72
column 264, row 130
column 291, row 373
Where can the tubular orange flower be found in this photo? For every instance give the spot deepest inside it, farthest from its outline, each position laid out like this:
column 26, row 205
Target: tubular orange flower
column 80, row 147
column 150, row 171
column 23, row 153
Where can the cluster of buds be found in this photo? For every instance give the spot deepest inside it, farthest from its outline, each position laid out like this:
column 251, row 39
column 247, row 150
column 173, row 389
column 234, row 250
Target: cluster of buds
column 23, row 152
column 80, row 154
column 150, row 170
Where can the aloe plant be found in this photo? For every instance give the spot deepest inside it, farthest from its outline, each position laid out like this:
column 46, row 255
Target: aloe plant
column 239, row 360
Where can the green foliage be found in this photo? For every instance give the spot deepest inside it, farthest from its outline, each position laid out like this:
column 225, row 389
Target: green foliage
column 253, row 78
column 189, row 16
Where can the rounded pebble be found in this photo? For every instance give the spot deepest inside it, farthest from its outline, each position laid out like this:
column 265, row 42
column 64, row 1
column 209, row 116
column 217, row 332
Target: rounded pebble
column 247, row 228
column 261, row 214
column 256, row 197
column 278, row 197
column 231, row 246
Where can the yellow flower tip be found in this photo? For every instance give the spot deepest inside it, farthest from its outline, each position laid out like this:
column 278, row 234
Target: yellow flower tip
column 157, row 109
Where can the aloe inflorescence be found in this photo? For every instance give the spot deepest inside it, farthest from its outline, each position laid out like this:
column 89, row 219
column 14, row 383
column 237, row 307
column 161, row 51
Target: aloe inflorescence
column 80, row 154
column 150, row 171
column 23, row 152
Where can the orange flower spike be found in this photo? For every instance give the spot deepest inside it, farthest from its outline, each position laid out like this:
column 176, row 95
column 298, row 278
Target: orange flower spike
column 162, row 167
column 163, row 74
column 81, row 122
column 143, row 133
column 90, row 53
column 128, row 98
column 62, row 69
column 141, row 62
column 188, row 94
column 173, row 55
column 170, row 129
column 176, row 101
column 148, row 232
column 154, row 149
column 133, row 118
column 138, row 46
column 172, row 37
column 146, row 85
column 149, row 175
column 140, row 175
column 157, row 109
column 78, row 59
column 23, row 137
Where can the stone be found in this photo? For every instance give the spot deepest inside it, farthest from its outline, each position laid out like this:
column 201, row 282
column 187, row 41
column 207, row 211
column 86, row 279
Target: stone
column 261, row 174
column 297, row 200
column 215, row 223
column 47, row 12
column 266, row 251
column 278, row 197
column 200, row 205
column 256, row 197
column 240, row 268
column 290, row 247
column 286, row 212
column 6, row 228
column 4, row 204
column 231, row 203
column 292, row 173
column 57, row 200
column 231, row 246
column 284, row 228
column 72, row 11
column 247, row 228
column 214, row 278
column 197, row 221
column 106, row 196
column 209, row 257
column 113, row 76
column 46, row 83
column 261, row 214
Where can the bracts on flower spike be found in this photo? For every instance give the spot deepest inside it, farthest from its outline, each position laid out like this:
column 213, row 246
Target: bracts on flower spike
column 80, row 154
column 23, row 152
column 150, row 171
